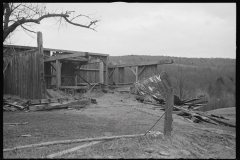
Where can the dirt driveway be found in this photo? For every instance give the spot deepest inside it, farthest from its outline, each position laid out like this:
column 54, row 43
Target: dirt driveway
column 116, row 114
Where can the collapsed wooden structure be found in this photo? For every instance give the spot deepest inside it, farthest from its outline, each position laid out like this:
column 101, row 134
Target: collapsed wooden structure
column 141, row 70
column 30, row 71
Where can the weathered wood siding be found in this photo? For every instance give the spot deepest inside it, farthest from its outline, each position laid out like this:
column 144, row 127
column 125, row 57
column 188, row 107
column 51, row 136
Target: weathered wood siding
column 22, row 77
column 125, row 75
column 90, row 72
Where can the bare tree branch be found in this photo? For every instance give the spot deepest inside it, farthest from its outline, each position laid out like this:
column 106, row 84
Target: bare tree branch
column 27, row 13
column 27, row 29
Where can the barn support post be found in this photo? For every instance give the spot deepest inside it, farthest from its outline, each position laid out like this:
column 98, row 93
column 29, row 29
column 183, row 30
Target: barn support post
column 41, row 63
column 58, row 73
column 136, row 73
column 106, row 73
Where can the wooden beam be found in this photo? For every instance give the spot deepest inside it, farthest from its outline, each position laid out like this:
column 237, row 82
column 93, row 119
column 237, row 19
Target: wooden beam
column 75, row 74
column 111, row 73
column 136, row 73
column 133, row 71
column 52, row 66
column 54, row 58
column 84, row 84
column 161, row 62
column 94, row 61
column 141, row 70
column 51, row 49
column 73, row 87
column 79, row 59
column 106, row 73
column 83, row 79
column 58, row 73
column 101, row 78
column 89, row 69
column 41, row 64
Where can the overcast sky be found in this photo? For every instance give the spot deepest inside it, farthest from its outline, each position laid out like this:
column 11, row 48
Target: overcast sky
column 169, row 29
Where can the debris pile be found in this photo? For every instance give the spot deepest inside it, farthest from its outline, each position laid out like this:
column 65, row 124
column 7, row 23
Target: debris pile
column 14, row 103
column 152, row 90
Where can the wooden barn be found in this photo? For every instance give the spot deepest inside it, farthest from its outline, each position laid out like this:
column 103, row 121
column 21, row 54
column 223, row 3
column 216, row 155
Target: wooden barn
column 29, row 71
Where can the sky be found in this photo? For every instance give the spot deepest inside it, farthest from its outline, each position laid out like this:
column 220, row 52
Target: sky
column 199, row 30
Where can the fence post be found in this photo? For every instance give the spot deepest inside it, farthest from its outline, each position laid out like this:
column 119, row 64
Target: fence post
column 41, row 63
column 168, row 115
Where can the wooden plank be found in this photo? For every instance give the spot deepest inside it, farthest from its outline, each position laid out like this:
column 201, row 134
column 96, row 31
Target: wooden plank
column 17, row 76
column 18, row 106
column 101, row 68
column 143, row 64
column 27, row 75
column 73, row 87
column 14, row 75
column 87, row 69
column 24, row 76
column 83, row 79
column 106, row 69
column 34, row 71
column 31, row 74
column 136, row 73
column 54, row 58
column 20, row 75
column 78, row 59
column 141, row 70
column 111, row 72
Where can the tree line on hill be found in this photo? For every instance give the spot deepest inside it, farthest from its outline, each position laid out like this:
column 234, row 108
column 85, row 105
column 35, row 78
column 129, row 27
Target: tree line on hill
column 214, row 77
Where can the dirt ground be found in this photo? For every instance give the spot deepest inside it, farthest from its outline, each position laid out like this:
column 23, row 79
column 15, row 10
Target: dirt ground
column 117, row 114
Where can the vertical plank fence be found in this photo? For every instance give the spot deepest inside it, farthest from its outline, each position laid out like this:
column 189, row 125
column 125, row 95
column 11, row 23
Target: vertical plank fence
column 22, row 73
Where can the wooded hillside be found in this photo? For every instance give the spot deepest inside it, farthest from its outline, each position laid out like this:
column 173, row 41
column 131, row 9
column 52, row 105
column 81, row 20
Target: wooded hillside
column 214, row 77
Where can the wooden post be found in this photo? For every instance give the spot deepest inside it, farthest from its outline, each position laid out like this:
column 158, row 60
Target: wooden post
column 58, row 73
column 136, row 73
column 101, row 68
column 106, row 71
column 168, row 115
column 121, row 75
column 75, row 79
column 41, row 63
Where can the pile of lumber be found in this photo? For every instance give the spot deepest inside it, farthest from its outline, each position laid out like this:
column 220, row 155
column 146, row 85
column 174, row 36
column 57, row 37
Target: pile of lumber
column 152, row 91
column 48, row 104
column 12, row 106
column 59, row 103
column 197, row 117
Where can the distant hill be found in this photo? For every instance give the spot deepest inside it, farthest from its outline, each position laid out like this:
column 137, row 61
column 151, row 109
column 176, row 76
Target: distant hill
column 199, row 76
column 199, row 62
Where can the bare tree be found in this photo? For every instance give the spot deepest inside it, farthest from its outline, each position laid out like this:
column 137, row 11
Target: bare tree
column 26, row 15
column 183, row 85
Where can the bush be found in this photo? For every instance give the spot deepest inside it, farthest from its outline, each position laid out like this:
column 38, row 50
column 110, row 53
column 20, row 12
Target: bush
column 226, row 100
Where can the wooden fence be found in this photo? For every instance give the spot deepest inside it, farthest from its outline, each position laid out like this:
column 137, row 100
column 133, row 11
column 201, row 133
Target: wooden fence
column 22, row 74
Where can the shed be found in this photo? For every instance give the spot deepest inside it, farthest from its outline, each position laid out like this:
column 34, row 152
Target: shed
column 28, row 73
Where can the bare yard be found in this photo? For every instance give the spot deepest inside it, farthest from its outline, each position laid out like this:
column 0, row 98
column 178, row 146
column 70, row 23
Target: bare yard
column 117, row 114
